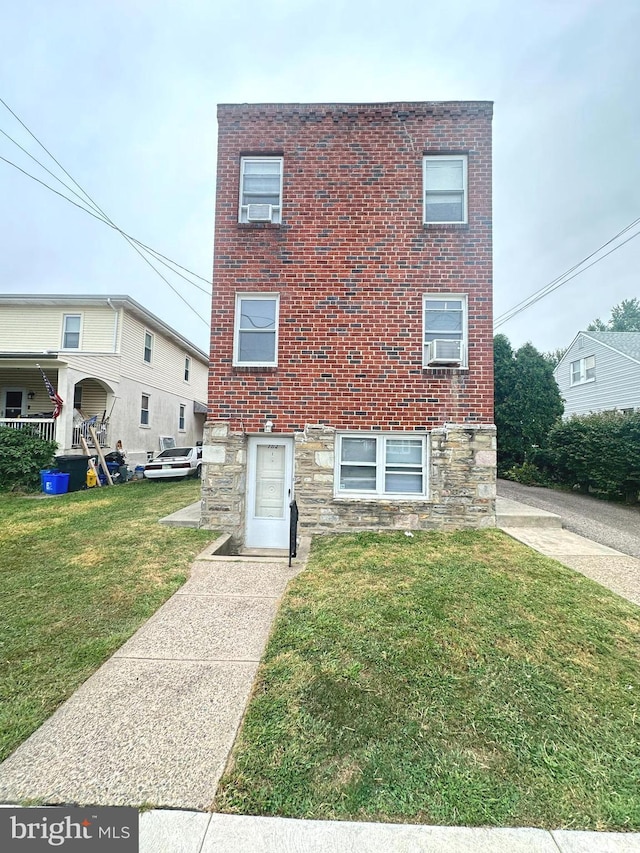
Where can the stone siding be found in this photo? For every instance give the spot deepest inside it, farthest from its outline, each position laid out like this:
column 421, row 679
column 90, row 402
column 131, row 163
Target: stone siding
column 462, row 484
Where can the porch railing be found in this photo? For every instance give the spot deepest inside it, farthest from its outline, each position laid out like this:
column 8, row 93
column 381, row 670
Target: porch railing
column 82, row 430
column 44, row 427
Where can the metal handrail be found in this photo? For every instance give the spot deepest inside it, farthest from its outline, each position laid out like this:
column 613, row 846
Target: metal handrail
column 293, row 530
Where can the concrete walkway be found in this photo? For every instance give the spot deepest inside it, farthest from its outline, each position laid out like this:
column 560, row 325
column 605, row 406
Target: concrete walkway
column 155, row 724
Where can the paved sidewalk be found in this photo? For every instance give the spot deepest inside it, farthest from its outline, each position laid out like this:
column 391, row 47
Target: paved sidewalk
column 193, row 832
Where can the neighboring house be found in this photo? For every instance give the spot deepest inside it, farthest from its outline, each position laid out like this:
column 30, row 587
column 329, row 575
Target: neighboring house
column 352, row 340
column 109, row 359
column 600, row 372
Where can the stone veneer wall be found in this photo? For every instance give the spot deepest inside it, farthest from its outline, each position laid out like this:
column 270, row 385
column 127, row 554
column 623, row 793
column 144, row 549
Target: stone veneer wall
column 462, row 484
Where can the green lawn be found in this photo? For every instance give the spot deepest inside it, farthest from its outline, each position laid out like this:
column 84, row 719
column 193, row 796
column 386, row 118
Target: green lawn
column 444, row 679
column 79, row 574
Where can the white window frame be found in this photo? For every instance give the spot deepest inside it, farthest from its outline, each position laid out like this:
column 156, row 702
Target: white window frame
column 237, row 330
column 147, row 410
column 151, row 337
column 445, row 297
column 187, row 368
column 434, row 158
column 243, row 203
column 65, row 332
column 585, row 373
column 381, row 466
column 182, row 412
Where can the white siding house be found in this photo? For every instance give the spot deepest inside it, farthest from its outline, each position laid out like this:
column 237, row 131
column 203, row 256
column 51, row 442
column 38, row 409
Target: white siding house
column 108, row 358
column 600, row 372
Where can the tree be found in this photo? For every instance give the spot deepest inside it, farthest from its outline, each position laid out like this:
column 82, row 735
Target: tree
column 527, row 401
column 554, row 357
column 625, row 317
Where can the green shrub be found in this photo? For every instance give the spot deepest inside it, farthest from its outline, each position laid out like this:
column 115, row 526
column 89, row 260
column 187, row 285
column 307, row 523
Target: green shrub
column 527, row 474
column 598, row 453
column 22, row 455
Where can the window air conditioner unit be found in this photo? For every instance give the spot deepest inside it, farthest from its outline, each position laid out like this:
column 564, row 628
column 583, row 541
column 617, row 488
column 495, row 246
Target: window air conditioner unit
column 259, row 212
column 446, row 352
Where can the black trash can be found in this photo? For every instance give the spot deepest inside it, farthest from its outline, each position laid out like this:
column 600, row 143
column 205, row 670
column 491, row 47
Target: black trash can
column 76, row 468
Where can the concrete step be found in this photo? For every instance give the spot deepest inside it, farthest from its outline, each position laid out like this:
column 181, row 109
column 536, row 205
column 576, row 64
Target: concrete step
column 514, row 514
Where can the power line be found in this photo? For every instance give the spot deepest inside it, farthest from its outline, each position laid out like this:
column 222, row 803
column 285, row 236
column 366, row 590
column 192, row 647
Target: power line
column 105, row 218
column 107, row 222
column 563, row 279
column 100, row 217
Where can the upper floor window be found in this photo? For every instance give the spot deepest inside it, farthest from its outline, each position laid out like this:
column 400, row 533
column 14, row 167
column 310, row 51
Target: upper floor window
column 445, row 189
column 377, row 465
column 256, row 330
column 445, row 330
column 187, row 368
column 148, row 347
column 583, row 370
column 71, row 326
column 261, row 189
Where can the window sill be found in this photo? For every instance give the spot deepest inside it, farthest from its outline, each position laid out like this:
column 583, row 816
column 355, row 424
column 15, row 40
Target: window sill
column 264, row 226
column 376, row 499
column 458, row 226
column 245, row 368
column 583, row 382
column 145, row 426
column 444, row 369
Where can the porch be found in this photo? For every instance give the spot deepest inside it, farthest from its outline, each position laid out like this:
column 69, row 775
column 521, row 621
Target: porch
column 25, row 404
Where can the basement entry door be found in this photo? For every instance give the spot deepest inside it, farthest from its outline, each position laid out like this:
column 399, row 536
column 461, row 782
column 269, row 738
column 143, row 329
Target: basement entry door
column 269, row 486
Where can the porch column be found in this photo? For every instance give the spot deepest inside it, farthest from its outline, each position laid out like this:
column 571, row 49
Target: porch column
column 64, row 423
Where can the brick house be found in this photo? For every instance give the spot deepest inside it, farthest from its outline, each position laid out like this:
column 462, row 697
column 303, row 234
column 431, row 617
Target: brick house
column 351, row 346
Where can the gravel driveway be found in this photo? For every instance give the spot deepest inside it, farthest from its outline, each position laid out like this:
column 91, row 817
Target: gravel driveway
column 615, row 525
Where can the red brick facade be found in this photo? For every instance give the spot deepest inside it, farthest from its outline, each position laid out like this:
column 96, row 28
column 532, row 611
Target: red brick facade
column 351, row 262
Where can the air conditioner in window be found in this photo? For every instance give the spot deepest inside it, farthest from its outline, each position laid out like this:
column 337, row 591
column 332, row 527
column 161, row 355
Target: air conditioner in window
column 259, row 212
column 445, row 352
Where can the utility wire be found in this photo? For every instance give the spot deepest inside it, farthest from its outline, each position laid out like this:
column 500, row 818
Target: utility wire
column 562, row 279
column 106, row 218
column 106, row 222
column 100, row 217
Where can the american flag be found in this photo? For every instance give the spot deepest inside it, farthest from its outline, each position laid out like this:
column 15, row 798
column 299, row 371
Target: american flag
column 55, row 398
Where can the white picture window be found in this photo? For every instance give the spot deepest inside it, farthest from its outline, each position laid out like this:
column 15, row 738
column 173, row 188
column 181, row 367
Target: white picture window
column 583, row 370
column 445, row 330
column 377, row 465
column 148, row 347
column 261, row 189
column 71, row 327
column 445, row 189
column 181, row 417
column 256, row 330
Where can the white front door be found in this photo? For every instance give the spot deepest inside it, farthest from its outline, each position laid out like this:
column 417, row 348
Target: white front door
column 269, row 491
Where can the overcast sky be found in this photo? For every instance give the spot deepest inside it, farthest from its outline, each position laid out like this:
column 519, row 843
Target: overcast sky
column 124, row 94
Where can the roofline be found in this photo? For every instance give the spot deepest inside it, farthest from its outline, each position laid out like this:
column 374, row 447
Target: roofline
column 602, row 343
column 346, row 106
column 122, row 301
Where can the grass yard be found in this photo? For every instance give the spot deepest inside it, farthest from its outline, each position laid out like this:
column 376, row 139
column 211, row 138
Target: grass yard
column 444, row 679
column 79, row 574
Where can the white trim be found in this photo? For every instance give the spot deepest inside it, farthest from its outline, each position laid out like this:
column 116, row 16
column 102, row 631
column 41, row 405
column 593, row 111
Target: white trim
column 381, row 465
column 147, row 410
column 187, row 369
column 267, row 532
column 151, row 346
column 270, row 297
column 182, row 416
column 276, row 209
column 66, row 317
column 446, row 297
column 433, row 158
column 583, row 379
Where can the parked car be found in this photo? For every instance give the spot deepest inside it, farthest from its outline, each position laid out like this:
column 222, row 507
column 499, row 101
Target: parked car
column 175, row 462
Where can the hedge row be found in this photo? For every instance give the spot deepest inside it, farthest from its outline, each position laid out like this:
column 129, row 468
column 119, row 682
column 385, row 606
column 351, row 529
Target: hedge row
column 597, row 453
